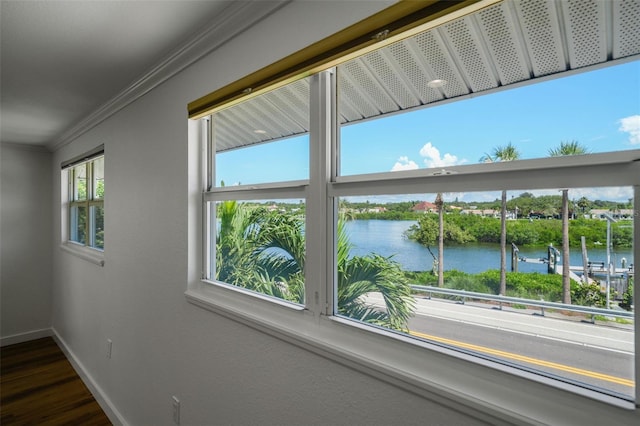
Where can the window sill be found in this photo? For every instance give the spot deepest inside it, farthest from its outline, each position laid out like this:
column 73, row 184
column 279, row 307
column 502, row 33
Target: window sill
column 492, row 392
column 90, row 255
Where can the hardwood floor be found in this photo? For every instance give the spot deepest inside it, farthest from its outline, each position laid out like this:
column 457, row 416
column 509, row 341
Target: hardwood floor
column 38, row 386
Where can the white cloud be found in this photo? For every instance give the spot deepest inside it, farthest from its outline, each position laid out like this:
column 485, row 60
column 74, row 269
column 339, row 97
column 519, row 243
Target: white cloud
column 433, row 158
column 404, row 163
column 631, row 125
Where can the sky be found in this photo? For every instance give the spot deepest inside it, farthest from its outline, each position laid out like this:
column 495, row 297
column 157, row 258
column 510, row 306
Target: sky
column 599, row 109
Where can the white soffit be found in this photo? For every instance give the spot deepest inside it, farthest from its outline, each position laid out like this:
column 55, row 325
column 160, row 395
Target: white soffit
column 515, row 41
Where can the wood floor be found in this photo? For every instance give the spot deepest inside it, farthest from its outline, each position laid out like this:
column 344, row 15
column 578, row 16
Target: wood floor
column 38, row 386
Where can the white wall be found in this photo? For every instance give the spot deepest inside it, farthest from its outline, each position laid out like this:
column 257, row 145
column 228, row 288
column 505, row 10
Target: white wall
column 25, row 240
column 223, row 372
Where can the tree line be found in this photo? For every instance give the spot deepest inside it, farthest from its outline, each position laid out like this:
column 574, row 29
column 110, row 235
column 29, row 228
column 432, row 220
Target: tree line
column 466, row 228
column 527, row 205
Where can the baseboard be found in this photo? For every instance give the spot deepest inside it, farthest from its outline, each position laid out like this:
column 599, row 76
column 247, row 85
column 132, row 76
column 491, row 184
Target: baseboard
column 100, row 396
column 25, row 337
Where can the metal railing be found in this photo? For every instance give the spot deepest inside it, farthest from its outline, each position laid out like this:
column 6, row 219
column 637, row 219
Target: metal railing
column 464, row 295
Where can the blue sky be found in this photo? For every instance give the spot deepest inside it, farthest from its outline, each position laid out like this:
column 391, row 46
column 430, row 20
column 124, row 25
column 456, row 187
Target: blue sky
column 600, row 109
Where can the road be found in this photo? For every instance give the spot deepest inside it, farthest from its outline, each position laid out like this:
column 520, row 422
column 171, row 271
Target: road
column 590, row 355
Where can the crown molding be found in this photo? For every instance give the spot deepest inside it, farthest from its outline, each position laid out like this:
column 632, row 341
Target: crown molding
column 233, row 20
column 25, row 147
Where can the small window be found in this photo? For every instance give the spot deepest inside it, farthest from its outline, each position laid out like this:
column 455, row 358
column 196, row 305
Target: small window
column 86, row 203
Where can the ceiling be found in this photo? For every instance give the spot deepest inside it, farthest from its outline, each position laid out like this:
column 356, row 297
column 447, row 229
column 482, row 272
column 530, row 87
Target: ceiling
column 512, row 42
column 64, row 63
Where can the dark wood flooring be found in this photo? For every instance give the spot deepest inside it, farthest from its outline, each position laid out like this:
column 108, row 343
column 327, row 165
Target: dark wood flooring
column 38, row 386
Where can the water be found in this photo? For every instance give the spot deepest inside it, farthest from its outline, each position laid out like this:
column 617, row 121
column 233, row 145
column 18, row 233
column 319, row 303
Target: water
column 386, row 238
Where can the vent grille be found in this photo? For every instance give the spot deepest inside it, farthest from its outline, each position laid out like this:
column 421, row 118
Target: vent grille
column 433, row 54
column 626, row 37
column 509, row 42
column 542, row 36
column 470, row 54
column 418, row 76
column 499, row 31
column 587, row 40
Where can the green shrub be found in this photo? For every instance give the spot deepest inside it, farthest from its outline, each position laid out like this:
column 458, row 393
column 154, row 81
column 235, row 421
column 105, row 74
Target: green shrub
column 627, row 296
column 588, row 295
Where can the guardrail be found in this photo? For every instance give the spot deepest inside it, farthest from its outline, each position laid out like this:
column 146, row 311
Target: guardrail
column 464, row 295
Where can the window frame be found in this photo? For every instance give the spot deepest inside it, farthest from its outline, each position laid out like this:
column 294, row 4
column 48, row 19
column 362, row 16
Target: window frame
column 294, row 189
column 87, row 250
column 497, row 393
column 329, row 338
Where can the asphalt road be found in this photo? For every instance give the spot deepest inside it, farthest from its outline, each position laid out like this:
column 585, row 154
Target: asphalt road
column 594, row 356
column 593, row 367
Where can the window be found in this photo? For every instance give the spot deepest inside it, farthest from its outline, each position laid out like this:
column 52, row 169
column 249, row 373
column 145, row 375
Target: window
column 255, row 206
column 400, row 166
column 452, row 294
column 421, row 226
column 86, row 192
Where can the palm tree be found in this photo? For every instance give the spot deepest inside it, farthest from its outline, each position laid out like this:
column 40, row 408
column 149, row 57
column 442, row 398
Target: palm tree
column 440, row 204
column 566, row 148
column 249, row 253
column 583, row 203
column 265, row 252
column 503, row 153
column 359, row 275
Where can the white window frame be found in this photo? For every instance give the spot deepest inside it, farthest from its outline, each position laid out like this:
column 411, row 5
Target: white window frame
column 494, row 392
column 296, row 189
column 84, row 250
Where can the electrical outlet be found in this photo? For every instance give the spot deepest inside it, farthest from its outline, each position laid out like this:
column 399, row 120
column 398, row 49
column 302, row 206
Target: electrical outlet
column 176, row 409
column 109, row 346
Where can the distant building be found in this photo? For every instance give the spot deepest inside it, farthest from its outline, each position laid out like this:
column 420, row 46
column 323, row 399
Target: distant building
column 376, row 210
column 483, row 213
column 425, row 207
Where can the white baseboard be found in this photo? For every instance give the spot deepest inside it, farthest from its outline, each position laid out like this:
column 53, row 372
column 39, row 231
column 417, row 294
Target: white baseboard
column 25, row 337
column 97, row 392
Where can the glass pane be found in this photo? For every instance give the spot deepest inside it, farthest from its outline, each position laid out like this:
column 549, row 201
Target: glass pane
column 573, row 114
column 80, row 182
column 400, row 268
column 78, row 224
column 264, row 139
column 98, row 178
column 260, row 246
column 96, row 231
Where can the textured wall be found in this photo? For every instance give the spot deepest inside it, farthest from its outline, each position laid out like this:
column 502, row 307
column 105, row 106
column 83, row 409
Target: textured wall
column 25, row 239
column 223, row 372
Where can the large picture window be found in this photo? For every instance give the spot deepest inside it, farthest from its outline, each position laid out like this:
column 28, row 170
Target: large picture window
column 456, row 189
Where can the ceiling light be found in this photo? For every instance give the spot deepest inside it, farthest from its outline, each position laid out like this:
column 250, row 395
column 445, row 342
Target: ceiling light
column 260, row 131
column 436, row 83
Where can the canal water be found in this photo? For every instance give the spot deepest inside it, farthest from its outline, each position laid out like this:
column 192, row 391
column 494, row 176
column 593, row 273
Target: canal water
column 386, row 238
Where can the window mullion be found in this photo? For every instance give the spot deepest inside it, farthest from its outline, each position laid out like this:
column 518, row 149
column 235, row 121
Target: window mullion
column 89, row 238
column 636, row 293
column 71, row 185
column 208, row 208
column 90, row 189
column 317, row 267
column 209, row 150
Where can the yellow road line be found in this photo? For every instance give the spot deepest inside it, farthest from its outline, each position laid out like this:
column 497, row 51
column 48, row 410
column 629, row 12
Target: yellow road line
column 522, row 358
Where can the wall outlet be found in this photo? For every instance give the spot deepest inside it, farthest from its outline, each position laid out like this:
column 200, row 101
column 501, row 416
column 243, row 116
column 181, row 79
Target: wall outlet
column 176, row 409
column 109, row 346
